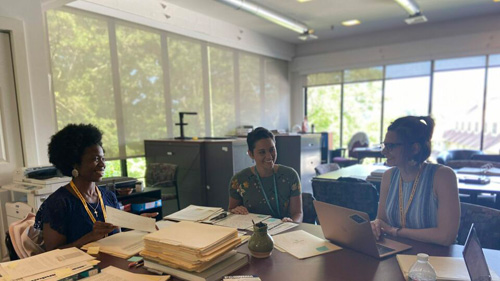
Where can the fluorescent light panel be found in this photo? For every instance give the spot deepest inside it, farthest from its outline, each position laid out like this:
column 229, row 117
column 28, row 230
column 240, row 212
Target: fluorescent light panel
column 410, row 6
column 351, row 22
column 268, row 15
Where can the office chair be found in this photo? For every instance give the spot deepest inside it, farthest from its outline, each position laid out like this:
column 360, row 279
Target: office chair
column 486, row 221
column 352, row 193
column 456, row 154
column 164, row 176
column 359, row 139
column 309, row 215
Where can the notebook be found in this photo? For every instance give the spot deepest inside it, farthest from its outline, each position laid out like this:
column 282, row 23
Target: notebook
column 352, row 229
column 474, row 258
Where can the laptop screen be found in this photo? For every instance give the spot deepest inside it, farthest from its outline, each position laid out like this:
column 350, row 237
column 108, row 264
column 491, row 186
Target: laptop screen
column 474, row 258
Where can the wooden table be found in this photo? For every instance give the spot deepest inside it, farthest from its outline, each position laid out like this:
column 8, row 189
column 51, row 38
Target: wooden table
column 343, row 265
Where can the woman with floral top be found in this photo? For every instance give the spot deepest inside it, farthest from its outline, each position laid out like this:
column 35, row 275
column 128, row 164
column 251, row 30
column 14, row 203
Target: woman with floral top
column 266, row 188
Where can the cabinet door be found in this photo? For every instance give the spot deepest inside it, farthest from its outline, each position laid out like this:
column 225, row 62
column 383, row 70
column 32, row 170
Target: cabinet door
column 188, row 156
column 309, row 160
column 241, row 159
column 219, row 170
column 288, row 150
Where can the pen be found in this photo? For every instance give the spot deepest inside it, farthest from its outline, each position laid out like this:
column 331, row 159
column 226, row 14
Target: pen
column 136, row 264
column 219, row 217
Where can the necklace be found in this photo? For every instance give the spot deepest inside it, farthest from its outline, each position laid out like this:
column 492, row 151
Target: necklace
column 85, row 204
column 402, row 213
column 265, row 195
column 95, row 209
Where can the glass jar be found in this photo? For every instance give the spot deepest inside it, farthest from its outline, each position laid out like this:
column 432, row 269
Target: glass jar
column 261, row 244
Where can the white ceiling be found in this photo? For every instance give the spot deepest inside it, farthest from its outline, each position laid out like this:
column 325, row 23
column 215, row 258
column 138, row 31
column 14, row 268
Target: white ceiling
column 321, row 15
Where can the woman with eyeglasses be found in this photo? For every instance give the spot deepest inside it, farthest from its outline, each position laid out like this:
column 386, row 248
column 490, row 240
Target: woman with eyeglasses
column 418, row 200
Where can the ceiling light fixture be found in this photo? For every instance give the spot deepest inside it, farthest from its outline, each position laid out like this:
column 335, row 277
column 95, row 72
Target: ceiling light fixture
column 414, row 10
column 351, row 22
column 271, row 16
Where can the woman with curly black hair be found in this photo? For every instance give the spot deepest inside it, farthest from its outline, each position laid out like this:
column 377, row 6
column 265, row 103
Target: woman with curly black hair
column 74, row 214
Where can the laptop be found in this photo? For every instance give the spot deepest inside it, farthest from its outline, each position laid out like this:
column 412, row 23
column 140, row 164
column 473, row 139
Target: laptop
column 474, row 258
column 351, row 229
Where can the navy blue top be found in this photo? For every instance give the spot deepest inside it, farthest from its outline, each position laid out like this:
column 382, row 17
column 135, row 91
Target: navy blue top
column 65, row 213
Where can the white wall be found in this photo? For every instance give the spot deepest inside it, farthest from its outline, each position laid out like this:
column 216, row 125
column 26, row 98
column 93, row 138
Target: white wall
column 468, row 37
column 31, row 68
column 191, row 24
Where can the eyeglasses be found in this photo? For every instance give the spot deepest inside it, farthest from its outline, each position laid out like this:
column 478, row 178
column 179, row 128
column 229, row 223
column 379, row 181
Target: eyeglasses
column 390, row 146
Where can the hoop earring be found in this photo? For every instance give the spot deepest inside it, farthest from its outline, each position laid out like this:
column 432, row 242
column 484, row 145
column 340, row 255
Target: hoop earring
column 75, row 173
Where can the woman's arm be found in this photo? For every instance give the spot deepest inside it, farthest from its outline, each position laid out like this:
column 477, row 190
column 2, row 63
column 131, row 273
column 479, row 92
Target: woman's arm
column 55, row 240
column 448, row 216
column 380, row 224
column 295, row 209
column 235, row 207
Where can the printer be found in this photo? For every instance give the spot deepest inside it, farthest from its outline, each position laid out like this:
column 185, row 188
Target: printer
column 34, row 184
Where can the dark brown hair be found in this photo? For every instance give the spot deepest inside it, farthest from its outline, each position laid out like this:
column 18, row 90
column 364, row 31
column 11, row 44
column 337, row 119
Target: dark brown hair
column 415, row 129
column 256, row 135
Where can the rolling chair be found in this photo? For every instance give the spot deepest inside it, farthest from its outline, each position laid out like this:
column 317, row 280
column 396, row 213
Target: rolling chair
column 359, row 139
column 164, row 176
column 352, row 193
column 456, row 154
column 487, row 222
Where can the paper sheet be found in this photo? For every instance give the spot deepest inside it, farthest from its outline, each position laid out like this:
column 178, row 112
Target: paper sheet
column 194, row 213
column 301, row 244
column 112, row 273
column 163, row 224
column 123, row 244
column 241, row 221
column 129, row 220
column 282, row 227
column 48, row 261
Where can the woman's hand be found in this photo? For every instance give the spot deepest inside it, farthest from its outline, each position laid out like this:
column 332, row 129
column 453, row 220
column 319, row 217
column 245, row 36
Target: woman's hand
column 240, row 210
column 100, row 230
column 286, row 219
column 379, row 226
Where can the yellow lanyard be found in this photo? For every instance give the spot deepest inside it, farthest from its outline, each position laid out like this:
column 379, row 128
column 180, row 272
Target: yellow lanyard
column 73, row 186
column 402, row 214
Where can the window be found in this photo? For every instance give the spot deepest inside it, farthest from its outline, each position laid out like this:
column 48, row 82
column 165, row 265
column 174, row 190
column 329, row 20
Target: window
column 81, row 72
column 323, row 110
column 491, row 142
column 250, row 101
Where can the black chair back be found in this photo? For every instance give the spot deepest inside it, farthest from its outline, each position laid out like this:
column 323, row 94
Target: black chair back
column 486, row 221
column 309, row 213
column 347, row 192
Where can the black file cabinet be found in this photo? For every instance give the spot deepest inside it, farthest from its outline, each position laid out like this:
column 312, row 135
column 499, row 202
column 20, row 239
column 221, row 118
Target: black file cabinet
column 205, row 167
column 301, row 152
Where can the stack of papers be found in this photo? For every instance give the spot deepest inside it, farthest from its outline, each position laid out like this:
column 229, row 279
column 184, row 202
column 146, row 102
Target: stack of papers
column 190, row 246
column 194, row 213
column 122, row 245
column 376, row 176
column 52, row 265
column 275, row 226
column 241, row 221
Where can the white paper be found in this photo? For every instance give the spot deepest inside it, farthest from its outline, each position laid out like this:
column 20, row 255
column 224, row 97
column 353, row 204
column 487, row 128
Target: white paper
column 164, row 223
column 301, row 244
column 194, row 213
column 126, row 243
column 241, row 221
column 129, row 220
column 47, row 261
column 282, row 227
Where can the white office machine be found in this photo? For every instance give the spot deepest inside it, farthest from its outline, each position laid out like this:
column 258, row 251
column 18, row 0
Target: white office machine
column 34, row 185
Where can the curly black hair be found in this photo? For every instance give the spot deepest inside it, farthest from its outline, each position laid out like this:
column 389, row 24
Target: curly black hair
column 67, row 146
column 256, row 135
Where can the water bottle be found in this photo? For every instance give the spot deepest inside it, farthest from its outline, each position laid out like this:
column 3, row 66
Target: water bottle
column 422, row 270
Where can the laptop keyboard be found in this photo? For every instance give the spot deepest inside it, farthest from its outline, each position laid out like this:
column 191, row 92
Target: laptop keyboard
column 383, row 249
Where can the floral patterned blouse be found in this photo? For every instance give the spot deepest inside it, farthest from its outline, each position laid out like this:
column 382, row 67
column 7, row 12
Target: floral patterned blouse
column 245, row 187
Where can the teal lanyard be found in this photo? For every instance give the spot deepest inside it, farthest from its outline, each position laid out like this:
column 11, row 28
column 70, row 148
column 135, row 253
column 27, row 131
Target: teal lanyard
column 265, row 195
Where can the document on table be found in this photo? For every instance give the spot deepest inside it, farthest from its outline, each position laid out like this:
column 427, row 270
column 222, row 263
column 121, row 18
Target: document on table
column 48, row 261
column 112, row 273
column 194, row 213
column 123, row 244
column 301, row 244
column 129, row 220
column 164, row 223
column 241, row 221
column 282, row 227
